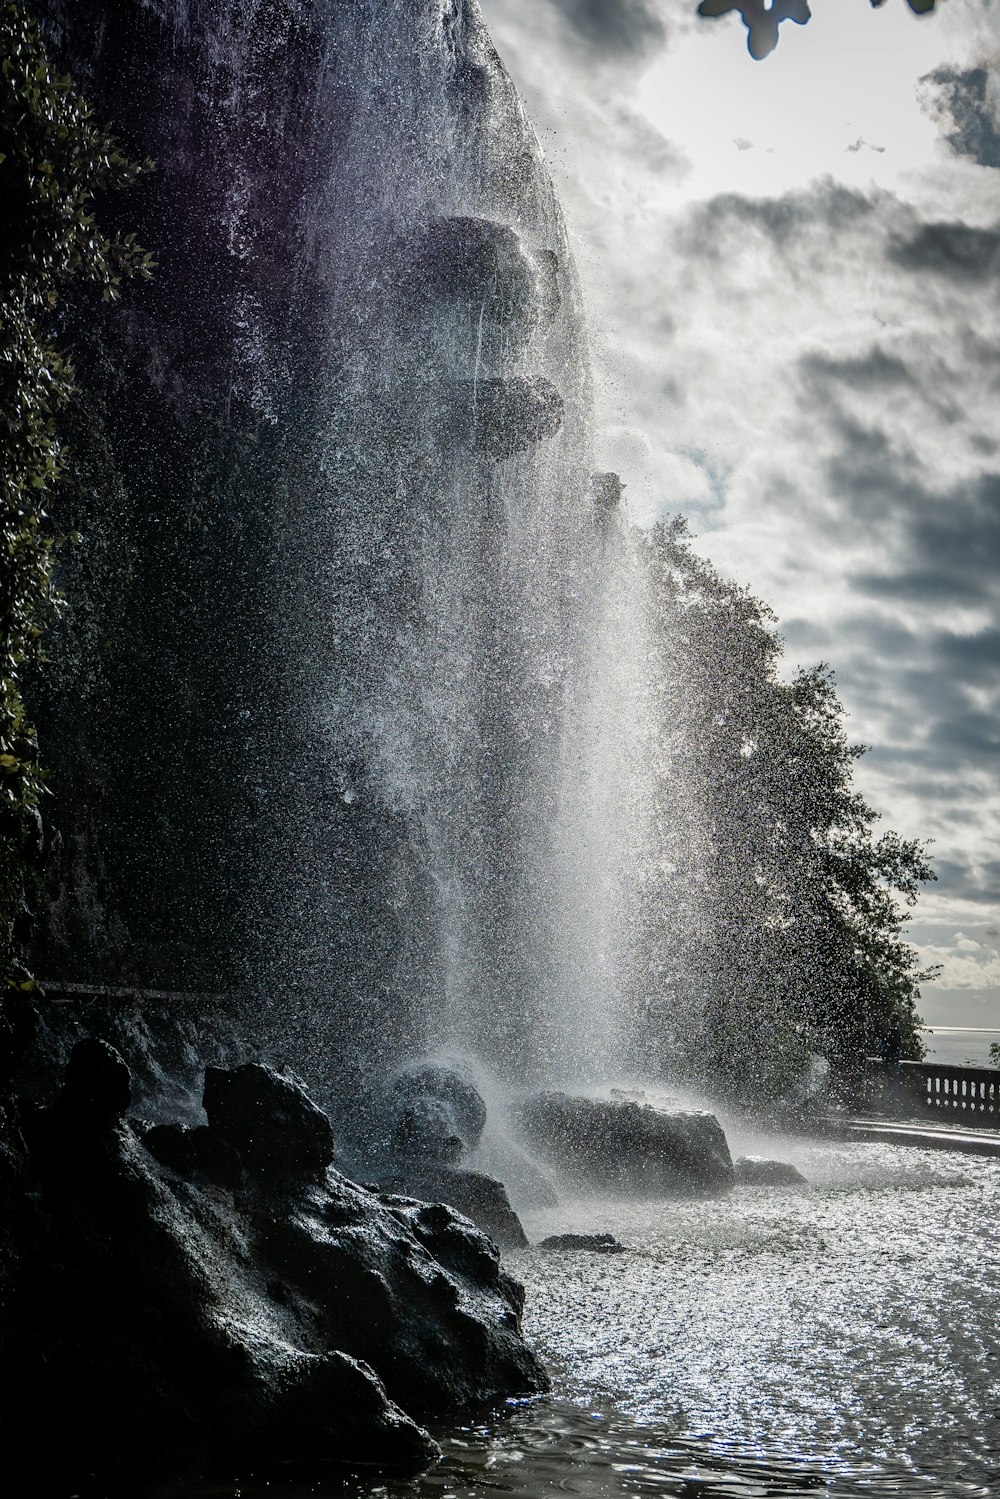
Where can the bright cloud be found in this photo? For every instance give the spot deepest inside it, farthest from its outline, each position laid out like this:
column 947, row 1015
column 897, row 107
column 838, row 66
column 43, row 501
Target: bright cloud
column 792, row 270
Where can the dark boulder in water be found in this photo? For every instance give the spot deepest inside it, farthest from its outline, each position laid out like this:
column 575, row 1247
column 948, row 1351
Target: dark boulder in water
column 591, row 1243
column 430, row 1106
column 410, row 1288
column 756, row 1171
column 619, row 1145
column 425, row 1131
column 201, row 1151
column 263, row 1314
column 481, row 263
column 606, row 492
column 478, row 1197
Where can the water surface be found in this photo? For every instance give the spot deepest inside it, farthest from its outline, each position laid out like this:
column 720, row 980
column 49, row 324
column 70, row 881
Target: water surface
column 837, row 1339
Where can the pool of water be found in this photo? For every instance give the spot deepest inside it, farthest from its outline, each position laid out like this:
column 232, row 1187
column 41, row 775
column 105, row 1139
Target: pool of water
column 839, row 1339
column 850, row 1324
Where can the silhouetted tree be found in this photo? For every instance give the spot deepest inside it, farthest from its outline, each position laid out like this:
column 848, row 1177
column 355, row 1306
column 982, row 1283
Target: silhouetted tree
column 773, row 925
column 762, row 18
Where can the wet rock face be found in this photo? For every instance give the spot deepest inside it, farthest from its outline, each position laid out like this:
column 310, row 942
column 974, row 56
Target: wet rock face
column 476, row 1196
column 410, row 1288
column 268, row 1118
column 512, row 415
column 622, row 1146
column 207, row 1308
column 436, row 1112
column 479, row 266
column 98, row 1085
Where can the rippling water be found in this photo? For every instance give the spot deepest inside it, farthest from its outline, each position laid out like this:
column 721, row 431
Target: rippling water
column 837, row 1339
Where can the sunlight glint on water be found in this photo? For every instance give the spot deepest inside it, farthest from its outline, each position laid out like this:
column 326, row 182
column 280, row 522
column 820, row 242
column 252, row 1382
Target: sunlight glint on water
column 837, row 1339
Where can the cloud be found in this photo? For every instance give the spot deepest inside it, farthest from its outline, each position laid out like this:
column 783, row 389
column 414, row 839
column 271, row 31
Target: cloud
column 873, row 370
column 948, row 543
column 621, row 26
column 964, row 102
column 962, row 968
column 979, row 651
column 956, row 249
column 713, row 225
column 810, row 373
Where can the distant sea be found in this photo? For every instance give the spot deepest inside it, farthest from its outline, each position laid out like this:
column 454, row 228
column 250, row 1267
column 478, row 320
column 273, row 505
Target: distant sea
column 958, row 1046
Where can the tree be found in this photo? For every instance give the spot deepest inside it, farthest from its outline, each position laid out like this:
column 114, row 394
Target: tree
column 762, row 19
column 774, row 924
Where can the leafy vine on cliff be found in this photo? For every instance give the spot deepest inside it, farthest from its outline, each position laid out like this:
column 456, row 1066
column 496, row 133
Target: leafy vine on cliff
column 55, row 158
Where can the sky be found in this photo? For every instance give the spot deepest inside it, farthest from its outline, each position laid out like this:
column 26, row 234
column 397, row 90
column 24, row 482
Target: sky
column 791, row 270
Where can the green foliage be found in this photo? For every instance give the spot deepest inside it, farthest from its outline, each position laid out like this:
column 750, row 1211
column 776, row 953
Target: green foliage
column 788, row 908
column 995, row 1053
column 54, row 160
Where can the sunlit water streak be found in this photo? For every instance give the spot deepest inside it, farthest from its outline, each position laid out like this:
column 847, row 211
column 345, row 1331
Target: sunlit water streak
column 836, row 1339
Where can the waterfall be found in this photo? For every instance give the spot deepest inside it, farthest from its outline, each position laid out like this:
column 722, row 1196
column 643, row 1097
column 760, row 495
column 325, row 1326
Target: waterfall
column 454, row 580
column 414, row 706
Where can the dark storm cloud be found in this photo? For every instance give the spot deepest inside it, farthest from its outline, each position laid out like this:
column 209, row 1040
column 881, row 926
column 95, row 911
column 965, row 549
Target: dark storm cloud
column 621, row 26
column 945, row 789
column 947, row 673
column 981, row 886
column 870, row 470
column 971, row 736
column 960, row 101
column 873, row 371
column 933, row 586
column 980, row 651
column 956, row 250
column 962, row 530
column 895, row 641
column 825, row 204
column 947, row 548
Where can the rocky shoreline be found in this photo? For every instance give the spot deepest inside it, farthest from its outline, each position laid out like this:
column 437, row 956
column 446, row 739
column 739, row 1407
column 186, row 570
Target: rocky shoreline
column 179, row 1293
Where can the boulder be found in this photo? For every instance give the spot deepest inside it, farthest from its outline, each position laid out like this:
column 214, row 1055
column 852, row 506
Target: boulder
column 606, row 493
column 435, row 1111
column 592, row 1243
column 97, row 1089
column 261, row 1316
column 623, row 1146
column 425, row 1130
column 756, row 1171
column 480, row 1198
column 88, row 1110
column 268, row 1118
column 411, row 1288
column 476, row 261
column 200, row 1151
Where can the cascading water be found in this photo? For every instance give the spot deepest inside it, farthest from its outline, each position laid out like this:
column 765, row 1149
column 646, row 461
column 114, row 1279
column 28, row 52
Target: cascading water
column 370, row 715
column 460, row 801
